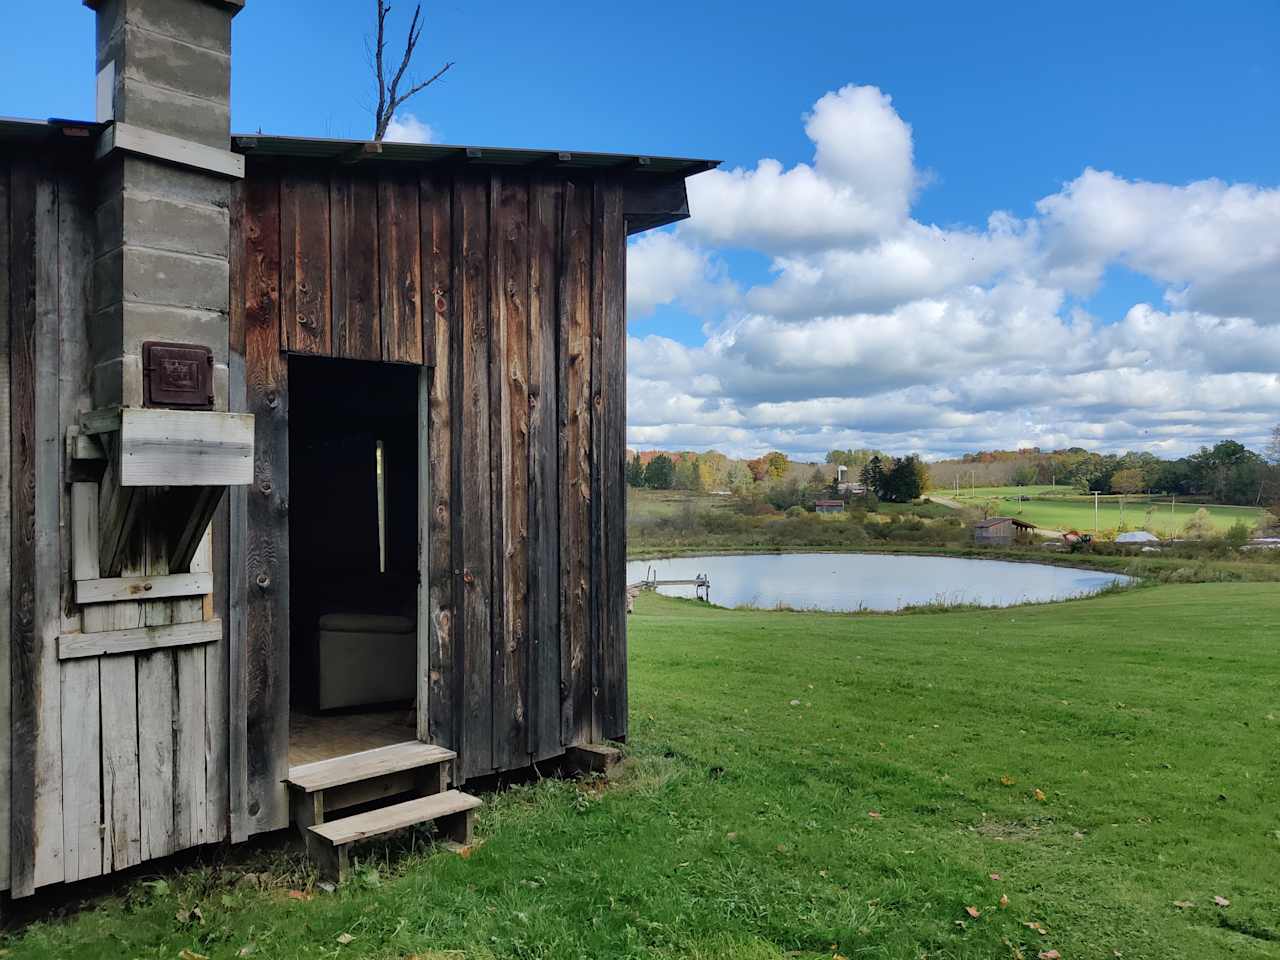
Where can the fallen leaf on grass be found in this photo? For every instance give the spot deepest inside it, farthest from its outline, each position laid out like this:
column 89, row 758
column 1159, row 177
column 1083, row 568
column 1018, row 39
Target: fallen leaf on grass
column 1222, row 901
column 1037, row 926
column 1183, row 904
column 191, row 955
column 1077, row 835
column 873, row 814
column 973, row 912
column 996, row 876
column 795, row 703
column 1007, row 780
column 1004, row 901
column 1039, row 795
column 1049, row 955
column 299, row 895
column 247, row 950
column 345, row 938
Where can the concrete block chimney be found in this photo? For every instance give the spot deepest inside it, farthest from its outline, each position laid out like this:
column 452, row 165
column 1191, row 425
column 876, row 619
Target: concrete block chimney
column 164, row 186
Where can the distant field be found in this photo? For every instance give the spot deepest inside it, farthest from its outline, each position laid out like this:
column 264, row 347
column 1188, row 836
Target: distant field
column 1077, row 512
column 651, row 505
column 1034, row 490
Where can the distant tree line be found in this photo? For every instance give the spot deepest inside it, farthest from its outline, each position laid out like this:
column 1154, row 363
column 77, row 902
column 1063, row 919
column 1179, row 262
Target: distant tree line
column 899, row 480
column 1227, row 472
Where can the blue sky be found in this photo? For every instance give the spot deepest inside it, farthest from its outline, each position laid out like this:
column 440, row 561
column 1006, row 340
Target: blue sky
column 1005, row 104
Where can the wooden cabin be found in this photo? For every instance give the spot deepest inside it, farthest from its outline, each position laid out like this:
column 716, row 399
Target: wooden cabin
column 313, row 456
column 1002, row 531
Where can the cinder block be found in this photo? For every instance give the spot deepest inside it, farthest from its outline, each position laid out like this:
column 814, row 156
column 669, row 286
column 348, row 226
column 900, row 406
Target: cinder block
column 175, row 279
column 165, row 62
column 177, row 114
column 204, row 23
column 145, row 321
column 160, row 179
column 175, row 225
column 108, row 279
column 106, row 334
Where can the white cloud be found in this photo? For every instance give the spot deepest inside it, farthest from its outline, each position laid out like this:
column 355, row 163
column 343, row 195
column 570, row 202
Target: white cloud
column 406, row 128
column 858, row 186
column 878, row 329
column 663, row 268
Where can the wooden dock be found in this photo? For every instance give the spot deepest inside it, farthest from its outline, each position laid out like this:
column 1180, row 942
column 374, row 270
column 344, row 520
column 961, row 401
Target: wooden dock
column 701, row 584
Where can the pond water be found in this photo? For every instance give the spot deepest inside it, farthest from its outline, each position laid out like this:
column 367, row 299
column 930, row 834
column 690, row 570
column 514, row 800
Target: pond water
column 865, row 581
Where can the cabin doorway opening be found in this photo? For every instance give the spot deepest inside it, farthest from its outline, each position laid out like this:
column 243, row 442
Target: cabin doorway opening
column 353, row 555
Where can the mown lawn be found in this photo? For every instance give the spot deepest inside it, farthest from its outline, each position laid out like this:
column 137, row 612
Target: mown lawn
column 1139, row 513
column 811, row 785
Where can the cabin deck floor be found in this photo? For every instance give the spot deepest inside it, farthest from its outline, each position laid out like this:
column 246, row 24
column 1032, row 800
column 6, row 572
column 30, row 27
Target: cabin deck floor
column 323, row 736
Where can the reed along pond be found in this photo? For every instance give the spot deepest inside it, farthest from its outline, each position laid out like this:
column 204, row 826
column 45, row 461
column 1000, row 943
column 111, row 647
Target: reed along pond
column 865, row 581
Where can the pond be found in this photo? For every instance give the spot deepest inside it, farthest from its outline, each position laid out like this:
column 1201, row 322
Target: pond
column 865, row 581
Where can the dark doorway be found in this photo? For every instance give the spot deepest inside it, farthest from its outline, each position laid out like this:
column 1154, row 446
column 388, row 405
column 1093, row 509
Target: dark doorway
column 353, row 544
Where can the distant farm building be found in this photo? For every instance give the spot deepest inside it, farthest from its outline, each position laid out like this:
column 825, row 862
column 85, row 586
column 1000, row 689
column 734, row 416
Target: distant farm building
column 829, row 506
column 1001, row 531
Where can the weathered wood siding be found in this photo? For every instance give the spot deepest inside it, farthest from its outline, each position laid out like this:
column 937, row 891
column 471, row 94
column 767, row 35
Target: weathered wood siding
column 105, row 760
column 509, row 286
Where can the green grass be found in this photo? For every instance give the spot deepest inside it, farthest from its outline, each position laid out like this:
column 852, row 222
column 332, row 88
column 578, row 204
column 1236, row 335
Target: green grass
column 1064, row 511
column 649, row 505
column 761, row 743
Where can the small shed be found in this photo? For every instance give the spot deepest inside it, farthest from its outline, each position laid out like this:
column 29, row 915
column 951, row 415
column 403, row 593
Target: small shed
column 828, row 506
column 314, row 456
column 1002, row 531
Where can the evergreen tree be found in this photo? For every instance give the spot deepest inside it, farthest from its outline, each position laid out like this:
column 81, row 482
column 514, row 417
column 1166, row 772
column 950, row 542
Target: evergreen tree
column 635, row 472
column 660, row 473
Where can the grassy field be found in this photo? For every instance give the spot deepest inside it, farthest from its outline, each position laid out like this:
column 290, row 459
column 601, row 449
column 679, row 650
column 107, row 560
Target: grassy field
column 648, row 505
column 1082, row 777
column 1063, row 511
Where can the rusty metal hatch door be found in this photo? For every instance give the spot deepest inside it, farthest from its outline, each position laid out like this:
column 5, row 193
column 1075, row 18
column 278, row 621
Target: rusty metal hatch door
column 177, row 375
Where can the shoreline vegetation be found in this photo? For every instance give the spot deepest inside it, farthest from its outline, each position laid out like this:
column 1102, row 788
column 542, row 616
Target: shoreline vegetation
column 673, row 523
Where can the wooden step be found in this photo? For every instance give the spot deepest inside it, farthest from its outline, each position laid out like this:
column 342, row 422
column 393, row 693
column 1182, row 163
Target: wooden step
column 366, row 765
column 453, row 812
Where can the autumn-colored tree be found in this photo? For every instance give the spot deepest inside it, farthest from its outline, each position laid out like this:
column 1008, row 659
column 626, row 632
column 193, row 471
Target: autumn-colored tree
column 776, row 464
column 1128, row 481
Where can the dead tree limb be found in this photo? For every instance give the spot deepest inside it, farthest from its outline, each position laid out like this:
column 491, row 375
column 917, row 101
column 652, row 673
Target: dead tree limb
column 390, row 99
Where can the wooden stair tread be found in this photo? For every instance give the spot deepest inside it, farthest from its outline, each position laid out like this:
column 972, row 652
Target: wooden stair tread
column 365, row 765
column 398, row 816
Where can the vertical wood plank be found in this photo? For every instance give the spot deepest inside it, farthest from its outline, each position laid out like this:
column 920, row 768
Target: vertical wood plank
column 81, row 770
column 437, row 247
column 122, row 842
column 25, row 676
column 575, row 466
column 80, row 731
column 48, row 554
column 244, row 238
column 599, row 378
column 613, row 361
column 546, row 200
column 357, row 322
column 158, row 705
column 509, row 361
column 400, row 266
column 217, row 729
column 189, row 799
column 304, row 283
column 6, row 490
column 471, row 227
column 267, row 540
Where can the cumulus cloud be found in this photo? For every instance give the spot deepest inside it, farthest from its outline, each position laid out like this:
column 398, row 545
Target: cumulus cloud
column 406, row 128
column 875, row 328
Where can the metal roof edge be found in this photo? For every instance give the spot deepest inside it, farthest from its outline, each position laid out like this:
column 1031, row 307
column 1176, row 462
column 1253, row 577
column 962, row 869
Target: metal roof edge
column 360, row 151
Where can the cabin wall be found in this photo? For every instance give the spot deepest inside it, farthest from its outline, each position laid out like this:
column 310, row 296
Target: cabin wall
column 105, row 761
column 508, row 287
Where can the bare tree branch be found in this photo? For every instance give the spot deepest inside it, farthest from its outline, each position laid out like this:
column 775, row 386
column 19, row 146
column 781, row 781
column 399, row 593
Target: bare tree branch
column 389, row 98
